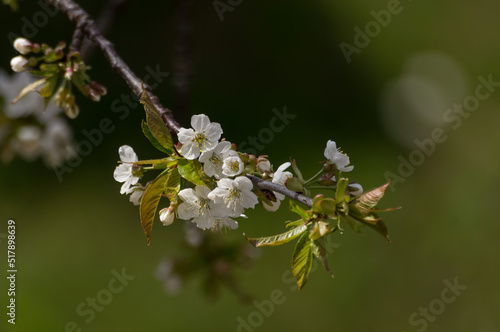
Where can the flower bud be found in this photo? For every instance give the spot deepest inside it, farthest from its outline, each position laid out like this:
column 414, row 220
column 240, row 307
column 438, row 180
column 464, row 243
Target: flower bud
column 263, row 165
column 19, row 63
column 23, row 45
column 167, row 216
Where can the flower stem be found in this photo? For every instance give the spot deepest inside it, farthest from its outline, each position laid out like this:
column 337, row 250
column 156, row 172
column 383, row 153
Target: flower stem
column 314, row 177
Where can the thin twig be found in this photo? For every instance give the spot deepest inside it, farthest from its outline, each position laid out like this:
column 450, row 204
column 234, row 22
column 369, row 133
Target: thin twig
column 78, row 37
column 80, row 17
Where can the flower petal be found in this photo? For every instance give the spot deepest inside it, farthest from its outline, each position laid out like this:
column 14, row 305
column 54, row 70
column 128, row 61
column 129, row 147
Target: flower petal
column 273, row 207
column 185, row 135
column 190, row 151
column 127, row 154
column 122, row 172
column 200, row 122
column 243, row 183
column 185, row 211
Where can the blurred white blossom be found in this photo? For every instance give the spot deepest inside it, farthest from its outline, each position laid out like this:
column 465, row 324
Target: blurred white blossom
column 29, row 128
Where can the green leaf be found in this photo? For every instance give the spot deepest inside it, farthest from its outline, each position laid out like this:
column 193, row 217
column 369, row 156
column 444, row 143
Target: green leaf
column 341, row 187
column 277, row 240
column 28, row 88
column 370, row 199
column 295, row 223
column 294, row 207
column 371, row 220
column 157, row 127
column 173, row 185
column 150, row 199
column 192, row 171
column 324, row 205
column 319, row 251
column 302, row 260
column 152, row 139
column 168, row 162
column 52, row 83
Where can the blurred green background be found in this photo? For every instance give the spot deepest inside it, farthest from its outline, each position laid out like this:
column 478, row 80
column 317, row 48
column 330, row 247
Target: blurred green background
column 266, row 55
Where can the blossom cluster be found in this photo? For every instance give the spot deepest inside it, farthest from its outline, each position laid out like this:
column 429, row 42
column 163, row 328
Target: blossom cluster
column 233, row 192
column 29, row 128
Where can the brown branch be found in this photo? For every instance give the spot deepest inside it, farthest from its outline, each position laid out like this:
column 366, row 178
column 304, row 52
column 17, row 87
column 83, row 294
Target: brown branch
column 87, row 26
column 268, row 185
column 84, row 22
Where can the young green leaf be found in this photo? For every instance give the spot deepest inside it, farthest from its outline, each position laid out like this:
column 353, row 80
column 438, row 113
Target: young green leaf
column 294, row 207
column 340, row 192
column 277, row 240
column 302, row 260
column 150, row 199
column 192, row 171
column 319, row 251
column 157, row 127
column 370, row 219
column 28, row 88
column 324, row 205
column 173, row 185
column 152, row 139
column 370, row 199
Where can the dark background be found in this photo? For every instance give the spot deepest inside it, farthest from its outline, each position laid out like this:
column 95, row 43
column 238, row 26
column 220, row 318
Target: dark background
column 265, row 55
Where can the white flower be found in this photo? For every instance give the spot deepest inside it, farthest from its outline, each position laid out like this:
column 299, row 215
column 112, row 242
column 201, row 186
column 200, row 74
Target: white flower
column 235, row 194
column 22, row 45
column 136, row 193
column 280, row 177
column 264, row 166
column 197, row 206
column 355, row 189
column 19, row 63
column 204, row 136
column 44, row 134
column 57, row 142
column 28, row 142
column 167, row 216
column 214, row 159
column 274, row 205
column 123, row 173
column 232, row 166
column 336, row 157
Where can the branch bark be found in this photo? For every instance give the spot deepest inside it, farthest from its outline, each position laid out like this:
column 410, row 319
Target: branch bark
column 267, row 185
column 86, row 25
